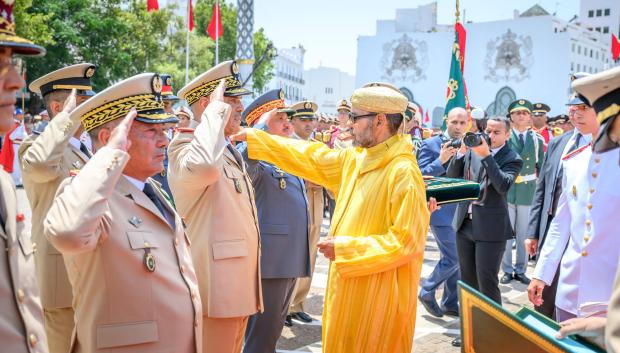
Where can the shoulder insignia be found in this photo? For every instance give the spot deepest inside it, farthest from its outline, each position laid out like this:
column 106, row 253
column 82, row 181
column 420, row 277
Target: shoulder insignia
column 185, row 130
column 73, row 172
column 557, row 131
column 575, row 152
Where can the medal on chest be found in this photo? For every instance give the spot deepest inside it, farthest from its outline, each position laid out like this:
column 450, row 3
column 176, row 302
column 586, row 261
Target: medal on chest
column 282, row 178
column 149, row 260
column 237, row 185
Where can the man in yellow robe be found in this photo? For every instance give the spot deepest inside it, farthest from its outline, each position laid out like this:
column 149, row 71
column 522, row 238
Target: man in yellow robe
column 378, row 231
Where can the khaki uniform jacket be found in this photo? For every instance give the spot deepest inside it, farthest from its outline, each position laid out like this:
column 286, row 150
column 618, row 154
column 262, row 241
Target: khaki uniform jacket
column 21, row 316
column 105, row 226
column 214, row 195
column 46, row 161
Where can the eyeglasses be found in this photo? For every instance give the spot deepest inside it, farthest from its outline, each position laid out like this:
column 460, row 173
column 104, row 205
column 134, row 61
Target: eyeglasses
column 353, row 118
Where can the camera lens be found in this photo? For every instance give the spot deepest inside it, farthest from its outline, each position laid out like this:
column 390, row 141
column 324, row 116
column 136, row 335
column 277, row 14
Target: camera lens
column 472, row 140
column 455, row 143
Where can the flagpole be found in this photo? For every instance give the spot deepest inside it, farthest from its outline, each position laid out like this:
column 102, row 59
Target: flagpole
column 217, row 32
column 187, row 45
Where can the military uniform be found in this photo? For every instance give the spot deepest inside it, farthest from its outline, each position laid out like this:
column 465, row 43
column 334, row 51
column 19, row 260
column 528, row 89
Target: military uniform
column 46, row 161
column 167, row 95
column 530, row 147
column 214, row 194
column 341, row 137
column 546, row 131
column 21, row 315
column 124, row 246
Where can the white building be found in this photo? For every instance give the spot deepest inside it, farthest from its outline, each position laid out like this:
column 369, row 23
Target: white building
column 288, row 74
column 601, row 16
column 529, row 56
column 327, row 86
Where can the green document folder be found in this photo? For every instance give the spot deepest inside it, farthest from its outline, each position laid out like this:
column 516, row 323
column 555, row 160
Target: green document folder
column 448, row 190
column 488, row 327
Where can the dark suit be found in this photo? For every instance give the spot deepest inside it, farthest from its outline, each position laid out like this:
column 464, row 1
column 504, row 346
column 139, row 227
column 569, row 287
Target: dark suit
column 482, row 237
column 285, row 255
column 447, row 269
column 547, row 193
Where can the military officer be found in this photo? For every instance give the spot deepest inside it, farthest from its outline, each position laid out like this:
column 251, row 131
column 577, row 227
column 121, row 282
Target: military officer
column 214, row 194
column 284, row 224
column 46, row 161
column 530, row 147
column 125, row 248
column 586, row 220
column 169, row 99
column 340, row 135
column 539, row 122
column 21, row 315
column 303, row 121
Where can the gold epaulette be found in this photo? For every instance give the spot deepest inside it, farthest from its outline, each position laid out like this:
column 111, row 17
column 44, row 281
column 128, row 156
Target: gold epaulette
column 427, row 133
column 327, row 136
column 575, row 152
column 557, row 131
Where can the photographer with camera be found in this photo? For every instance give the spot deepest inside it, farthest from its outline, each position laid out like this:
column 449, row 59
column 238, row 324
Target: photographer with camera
column 434, row 155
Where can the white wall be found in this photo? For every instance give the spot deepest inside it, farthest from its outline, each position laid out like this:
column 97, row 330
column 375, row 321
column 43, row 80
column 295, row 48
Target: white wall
column 327, row 87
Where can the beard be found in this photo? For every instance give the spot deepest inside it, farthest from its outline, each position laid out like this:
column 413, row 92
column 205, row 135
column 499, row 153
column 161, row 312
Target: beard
column 363, row 138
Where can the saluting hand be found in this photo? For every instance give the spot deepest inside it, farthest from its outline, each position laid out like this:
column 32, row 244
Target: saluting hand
column 70, row 102
column 218, row 92
column 118, row 137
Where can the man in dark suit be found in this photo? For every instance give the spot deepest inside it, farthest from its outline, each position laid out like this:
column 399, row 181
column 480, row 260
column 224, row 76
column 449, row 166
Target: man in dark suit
column 549, row 188
column 433, row 158
column 483, row 226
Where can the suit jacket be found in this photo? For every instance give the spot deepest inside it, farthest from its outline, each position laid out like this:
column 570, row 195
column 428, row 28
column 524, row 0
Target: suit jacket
column 496, row 174
column 106, row 228
column 21, row 316
column 429, row 163
column 283, row 219
column 214, row 194
column 46, row 162
column 543, row 208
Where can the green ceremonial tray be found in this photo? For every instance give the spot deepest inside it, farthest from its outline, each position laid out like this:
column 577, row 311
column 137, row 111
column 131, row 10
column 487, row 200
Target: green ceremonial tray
column 448, row 190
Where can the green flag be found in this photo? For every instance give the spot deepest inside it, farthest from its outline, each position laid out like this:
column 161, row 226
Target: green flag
column 456, row 95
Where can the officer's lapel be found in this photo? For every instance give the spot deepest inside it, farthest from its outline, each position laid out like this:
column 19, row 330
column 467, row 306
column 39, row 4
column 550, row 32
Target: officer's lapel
column 79, row 154
column 231, row 157
column 130, row 191
column 9, row 199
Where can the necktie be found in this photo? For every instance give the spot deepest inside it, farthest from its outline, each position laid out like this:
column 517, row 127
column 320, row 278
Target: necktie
column 576, row 144
column 522, row 140
column 149, row 191
column 235, row 153
column 85, row 150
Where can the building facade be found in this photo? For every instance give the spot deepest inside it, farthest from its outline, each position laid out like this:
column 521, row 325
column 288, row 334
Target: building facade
column 327, row 87
column 289, row 74
column 530, row 56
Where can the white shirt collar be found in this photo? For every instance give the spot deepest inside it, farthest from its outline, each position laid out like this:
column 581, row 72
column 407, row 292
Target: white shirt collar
column 585, row 138
column 137, row 183
column 519, row 133
column 74, row 142
column 495, row 150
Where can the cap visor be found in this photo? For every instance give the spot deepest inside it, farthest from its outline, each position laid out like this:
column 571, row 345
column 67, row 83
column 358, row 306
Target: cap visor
column 25, row 49
column 288, row 111
column 169, row 119
column 170, row 97
column 236, row 92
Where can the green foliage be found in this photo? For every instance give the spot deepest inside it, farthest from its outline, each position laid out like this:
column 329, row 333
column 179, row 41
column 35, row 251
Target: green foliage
column 123, row 39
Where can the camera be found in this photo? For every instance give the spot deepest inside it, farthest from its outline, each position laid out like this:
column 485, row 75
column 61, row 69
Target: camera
column 455, row 143
column 472, row 139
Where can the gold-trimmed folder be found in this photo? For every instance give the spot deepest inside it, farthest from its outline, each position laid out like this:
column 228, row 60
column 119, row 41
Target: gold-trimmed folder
column 449, row 190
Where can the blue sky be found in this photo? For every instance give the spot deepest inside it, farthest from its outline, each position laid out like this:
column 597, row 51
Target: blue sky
column 328, row 29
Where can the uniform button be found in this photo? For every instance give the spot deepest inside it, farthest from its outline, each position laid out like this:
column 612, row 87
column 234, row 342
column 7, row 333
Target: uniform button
column 586, row 238
column 584, row 253
column 193, row 294
column 21, row 295
column 591, row 190
column 589, row 206
column 182, row 269
column 33, row 340
column 588, row 222
column 176, row 241
column 597, row 160
column 527, row 159
column 196, row 323
column 594, row 174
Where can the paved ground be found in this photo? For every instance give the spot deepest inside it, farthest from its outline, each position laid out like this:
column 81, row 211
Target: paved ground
column 431, row 334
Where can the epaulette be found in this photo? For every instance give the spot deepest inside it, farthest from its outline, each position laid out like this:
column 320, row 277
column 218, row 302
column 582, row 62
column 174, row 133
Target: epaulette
column 426, row 133
column 185, row 129
column 557, row 131
column 575, row 152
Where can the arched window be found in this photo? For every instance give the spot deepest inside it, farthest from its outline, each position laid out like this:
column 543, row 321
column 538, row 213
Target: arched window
column 503, row 98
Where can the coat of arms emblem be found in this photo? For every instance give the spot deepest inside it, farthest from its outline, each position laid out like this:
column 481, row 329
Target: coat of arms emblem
column 404, row 59
column 509, row 58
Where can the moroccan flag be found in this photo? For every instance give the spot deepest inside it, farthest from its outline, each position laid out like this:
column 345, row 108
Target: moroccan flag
column 152, row 5
column 615, row 47
column 427, row 119
column 456, row 95
column 190, row 16
column 215, row 28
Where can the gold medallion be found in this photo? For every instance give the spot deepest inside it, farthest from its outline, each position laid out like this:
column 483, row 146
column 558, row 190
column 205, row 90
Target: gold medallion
column 282, row 183
column 149, row 260
column 574, row 191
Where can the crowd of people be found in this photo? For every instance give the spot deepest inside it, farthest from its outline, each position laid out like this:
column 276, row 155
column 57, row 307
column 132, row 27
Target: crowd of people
column 197, row 228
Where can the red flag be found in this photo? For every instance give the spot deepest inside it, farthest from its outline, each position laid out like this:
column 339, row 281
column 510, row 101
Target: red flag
column 458, row 27
column 615, row 47
column 152, row 5
column 427, row 119
column 190, row 16
column 215, row 28
column 8, row 154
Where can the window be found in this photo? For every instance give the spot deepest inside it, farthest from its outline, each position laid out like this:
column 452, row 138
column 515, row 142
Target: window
column 605, row 29
column 572, row 66
column 598, row 29
column 578, row 67
column 573, row 48
column 591, row 52
column 599, row 13
column 591, row 13
column 579, row 49
column 596, row 55
column 329, row 90
column 606, row 12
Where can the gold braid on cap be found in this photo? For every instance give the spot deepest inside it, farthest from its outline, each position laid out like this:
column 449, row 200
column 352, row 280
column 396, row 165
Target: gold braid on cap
column 256, row 113
column 608, row 112
column 118, row 109
column 207, row 88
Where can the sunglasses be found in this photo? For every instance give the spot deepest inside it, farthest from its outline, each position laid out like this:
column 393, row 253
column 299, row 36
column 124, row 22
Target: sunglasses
column 354, row 118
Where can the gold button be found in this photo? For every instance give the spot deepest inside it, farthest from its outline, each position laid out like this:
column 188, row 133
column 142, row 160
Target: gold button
column 591, row 190
column 196, row 323
column 182, row 269
column 594, row 174
column 193, row 294
column 176, row 241
column 33, row 340
column 589, row 206
column 20, row 295
column 586, row 238
column 597, row 160
column 584, row 253
column 588, row 222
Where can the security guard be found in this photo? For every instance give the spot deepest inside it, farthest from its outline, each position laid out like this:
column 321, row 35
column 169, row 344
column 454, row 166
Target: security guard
column 21, row 316
column 586, row 221
column 214, row 194
column 530, row 147
column 125, row 246
column 284, row 224
column 539, row 119
column 46, row 161
column 302, row 121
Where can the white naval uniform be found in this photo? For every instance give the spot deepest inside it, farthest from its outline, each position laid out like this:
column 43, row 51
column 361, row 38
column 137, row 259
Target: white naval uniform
column 587, row 220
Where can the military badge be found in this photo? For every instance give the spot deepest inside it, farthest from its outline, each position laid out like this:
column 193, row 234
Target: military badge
column 168, row 81
column 77, row 165
column 156, row 84
column 281, row 92
column 521, row 102
column 235, row 68
column 89, row 72
column 308, row 105
column 149, row 260
column 135, row 221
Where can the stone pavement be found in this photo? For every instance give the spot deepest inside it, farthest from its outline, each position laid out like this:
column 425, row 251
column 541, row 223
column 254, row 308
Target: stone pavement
column 431, row 334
